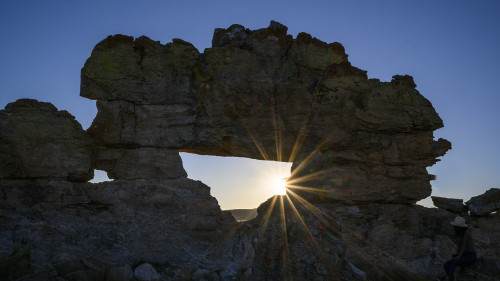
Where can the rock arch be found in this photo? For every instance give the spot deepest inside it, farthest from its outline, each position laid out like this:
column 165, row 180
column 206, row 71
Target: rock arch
column 258, row 94
column 264, row 95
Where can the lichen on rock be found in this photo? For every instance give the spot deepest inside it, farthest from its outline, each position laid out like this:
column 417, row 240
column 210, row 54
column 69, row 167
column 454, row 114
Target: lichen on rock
column 263, row 94
column 359, row 148
column 38, row 141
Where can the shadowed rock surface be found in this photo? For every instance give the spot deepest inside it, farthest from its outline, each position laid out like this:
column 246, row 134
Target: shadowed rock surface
column 38, row 141
column 262, row 94
column 360, row 147
column 450, row 204
column 244, row 214
column 486, row 203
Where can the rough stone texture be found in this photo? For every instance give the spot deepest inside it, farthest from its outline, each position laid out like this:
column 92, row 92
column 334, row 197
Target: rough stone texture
column 397, row 242
column 383, row 241
column 120, row 273
column 146, row 272
column 483, row 269
column 263, row 94
column 298, row 241
column 141, row 163
column 486, row 231
column 486, row 203
column 38, row 141
column 449, row 204
column 74, row 226
column 356, row 145
column 78, row 229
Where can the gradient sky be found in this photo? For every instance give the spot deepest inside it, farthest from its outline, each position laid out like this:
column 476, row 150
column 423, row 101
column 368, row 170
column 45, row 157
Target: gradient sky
column 451, row 48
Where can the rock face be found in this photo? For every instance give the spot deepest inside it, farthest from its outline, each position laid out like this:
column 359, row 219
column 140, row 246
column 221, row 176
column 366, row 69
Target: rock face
column 38, row 141
column 146, row 272
column 83, row 231
column 73, row 226
column 486, row 203
column 449, row 204
column 359, row 147
column 265, row 95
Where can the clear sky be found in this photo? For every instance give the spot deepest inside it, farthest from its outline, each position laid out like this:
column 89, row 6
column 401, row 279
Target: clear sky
column 451, row 48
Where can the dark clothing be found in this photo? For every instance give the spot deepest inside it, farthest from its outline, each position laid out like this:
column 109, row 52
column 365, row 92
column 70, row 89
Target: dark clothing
column 465, row 259
column 469, row 244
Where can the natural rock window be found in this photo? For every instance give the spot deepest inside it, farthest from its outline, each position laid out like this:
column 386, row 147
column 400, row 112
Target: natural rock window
column 359, row 147
column 237, row 183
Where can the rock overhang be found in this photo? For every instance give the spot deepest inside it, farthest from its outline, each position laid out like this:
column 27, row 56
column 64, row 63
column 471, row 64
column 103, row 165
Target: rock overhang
column 360, row 141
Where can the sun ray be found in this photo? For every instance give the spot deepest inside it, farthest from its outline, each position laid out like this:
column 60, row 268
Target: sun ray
column 301, row 133
column 323, row 220
column 310, row 156
column 259, row 146
column 312, row 176
column 296, row 212
column 277, row 136
column 353, row 237
column 300, row 137
column 287, row 270
column 265, row 219
column 294, row 183
column 280, row 186
column 310, row 189
column 311, row 238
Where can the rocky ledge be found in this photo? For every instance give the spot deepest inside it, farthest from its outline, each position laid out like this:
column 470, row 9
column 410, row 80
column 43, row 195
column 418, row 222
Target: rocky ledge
column 359, row 147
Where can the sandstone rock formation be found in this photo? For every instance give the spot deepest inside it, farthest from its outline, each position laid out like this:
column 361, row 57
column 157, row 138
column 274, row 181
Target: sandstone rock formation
column 265, row 95
column 359, row 147
column 450, row 204
column 113, row 223
column 486, row 203
column 76, row 228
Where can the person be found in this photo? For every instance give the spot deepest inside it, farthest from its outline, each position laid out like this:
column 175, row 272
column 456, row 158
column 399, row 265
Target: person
column 465, row 253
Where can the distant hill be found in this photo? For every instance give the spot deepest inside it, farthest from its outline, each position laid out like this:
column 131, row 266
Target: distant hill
column 244, row 214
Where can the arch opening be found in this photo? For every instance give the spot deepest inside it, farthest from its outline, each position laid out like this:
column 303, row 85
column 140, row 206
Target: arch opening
column 100, row 176
column 238, row 183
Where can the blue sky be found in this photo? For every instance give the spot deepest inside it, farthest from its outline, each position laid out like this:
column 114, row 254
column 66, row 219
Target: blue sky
column 451, row 48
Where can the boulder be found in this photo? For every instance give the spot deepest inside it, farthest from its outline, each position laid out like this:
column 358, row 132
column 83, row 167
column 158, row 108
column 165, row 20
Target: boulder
column 146, row 272
column 120, row 273
column 486, row 203
column 39, row 141
column 449, row 204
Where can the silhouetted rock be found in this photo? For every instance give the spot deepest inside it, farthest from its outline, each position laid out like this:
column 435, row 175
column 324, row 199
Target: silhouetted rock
column 38, row 141
column 141, row 163
column 486, row 203
column 146, row 272
column 484, row 269
column 111, row 224
column 299, row 241
column 263, row 94
column 356, row 145
column 449, row 204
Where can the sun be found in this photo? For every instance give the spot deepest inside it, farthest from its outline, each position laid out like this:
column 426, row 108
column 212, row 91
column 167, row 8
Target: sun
column 279, row 186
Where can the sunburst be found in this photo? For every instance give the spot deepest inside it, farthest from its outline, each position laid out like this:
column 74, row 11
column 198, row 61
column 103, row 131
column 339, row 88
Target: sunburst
column 285, row 189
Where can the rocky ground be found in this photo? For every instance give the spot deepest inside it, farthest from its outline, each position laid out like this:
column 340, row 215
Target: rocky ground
column 359, row 147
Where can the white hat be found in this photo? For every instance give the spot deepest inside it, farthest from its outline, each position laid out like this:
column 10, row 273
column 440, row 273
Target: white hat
column 459, row 221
